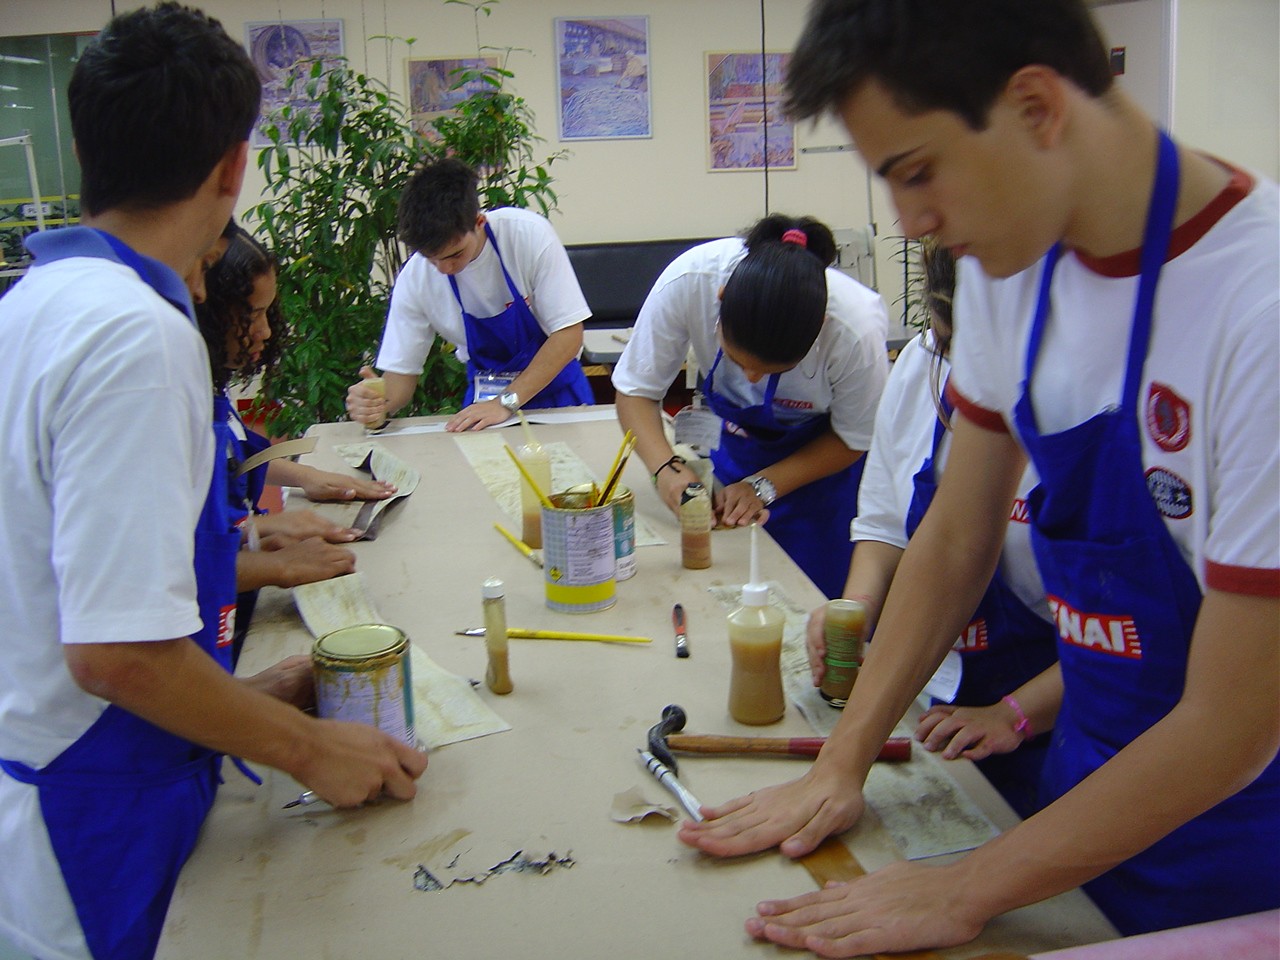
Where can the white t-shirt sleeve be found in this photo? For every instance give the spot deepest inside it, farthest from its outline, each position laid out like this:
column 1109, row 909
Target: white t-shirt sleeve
column 555, row 297
column 128, row 474
column 859, row 368
column 986, row 367
column 409, row 333
column 659, row 340
column 1242, row 549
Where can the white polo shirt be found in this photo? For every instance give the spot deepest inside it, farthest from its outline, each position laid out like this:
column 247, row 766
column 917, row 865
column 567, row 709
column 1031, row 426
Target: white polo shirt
column 1209, row 401
column 843, row 374
column 423, row 304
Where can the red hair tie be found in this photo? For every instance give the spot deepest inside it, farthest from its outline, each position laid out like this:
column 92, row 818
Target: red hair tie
column 796, row 236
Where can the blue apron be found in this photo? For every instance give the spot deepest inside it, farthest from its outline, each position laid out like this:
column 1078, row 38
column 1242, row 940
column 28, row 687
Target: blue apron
column 506, row 344
column 123, row 805
column 811, row 523
column 1127, row 603
column 246, row 490
column 1005, row 645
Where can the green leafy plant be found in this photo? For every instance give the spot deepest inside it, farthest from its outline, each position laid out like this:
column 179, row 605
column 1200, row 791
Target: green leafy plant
column 908, row 254
column 334, row 176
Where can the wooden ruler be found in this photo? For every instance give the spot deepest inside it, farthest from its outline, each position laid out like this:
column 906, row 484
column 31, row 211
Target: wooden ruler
column 833, row 861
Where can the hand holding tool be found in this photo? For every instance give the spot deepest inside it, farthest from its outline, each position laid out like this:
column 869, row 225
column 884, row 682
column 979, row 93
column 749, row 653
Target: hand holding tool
column 666, row 776
column 682, row 635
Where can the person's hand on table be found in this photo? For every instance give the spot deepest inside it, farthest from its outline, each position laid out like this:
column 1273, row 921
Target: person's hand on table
column 295, row 562
column 904, row 906
column 301, row 524
column 970, row 732
column 737, row 505
column 363, row 404
column 323, row 485
column 795, row 816
column 347, row 764
column 291, row 680
column 477, row 416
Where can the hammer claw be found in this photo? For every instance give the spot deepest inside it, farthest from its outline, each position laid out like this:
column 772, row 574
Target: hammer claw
column 673, row 721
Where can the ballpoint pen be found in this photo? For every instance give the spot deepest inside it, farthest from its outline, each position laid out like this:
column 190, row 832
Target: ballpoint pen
column 535, row 556
column 302, row 800
column 682, row 633
column 517, row 633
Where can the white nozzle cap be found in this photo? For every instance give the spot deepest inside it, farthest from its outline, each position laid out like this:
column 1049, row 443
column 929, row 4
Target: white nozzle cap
column 493, row 588
column 755, row 593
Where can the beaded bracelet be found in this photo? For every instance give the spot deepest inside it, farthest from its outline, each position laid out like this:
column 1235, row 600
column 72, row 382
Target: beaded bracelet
column 1023, row 726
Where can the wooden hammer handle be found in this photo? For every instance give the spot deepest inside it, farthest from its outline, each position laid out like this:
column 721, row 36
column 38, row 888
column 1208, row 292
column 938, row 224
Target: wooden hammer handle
column 895, row 748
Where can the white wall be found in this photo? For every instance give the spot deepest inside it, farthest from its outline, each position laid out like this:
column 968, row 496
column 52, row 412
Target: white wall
column 1224, row 99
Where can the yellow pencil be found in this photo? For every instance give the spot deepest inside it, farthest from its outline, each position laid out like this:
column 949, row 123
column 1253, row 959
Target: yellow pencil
column 516, row 633
column 519, row 544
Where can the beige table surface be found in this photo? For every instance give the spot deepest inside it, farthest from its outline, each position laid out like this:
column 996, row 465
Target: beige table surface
column 314, row 882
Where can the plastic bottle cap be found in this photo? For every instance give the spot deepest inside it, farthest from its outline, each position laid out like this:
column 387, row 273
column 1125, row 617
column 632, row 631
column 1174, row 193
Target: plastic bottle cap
column 493, row 589
column 755, row 594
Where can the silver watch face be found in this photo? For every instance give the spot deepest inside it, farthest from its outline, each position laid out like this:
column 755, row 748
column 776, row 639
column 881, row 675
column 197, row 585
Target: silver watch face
column 510, row 400
column 765, row 490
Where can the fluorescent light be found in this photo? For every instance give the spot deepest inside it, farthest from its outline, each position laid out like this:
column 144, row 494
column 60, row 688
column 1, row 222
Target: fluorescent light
column 5, row 58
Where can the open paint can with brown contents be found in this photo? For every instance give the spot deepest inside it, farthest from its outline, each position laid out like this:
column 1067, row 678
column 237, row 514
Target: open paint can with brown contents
column 362, row 676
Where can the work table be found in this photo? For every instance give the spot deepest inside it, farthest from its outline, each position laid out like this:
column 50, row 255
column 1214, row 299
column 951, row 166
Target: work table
column 278, row 884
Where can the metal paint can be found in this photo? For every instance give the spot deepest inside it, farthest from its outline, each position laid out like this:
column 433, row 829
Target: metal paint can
column 578, row 554
column 362, row 676
column 624, row 533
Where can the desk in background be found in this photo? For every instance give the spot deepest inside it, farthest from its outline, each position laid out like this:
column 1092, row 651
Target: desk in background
column 279, row 884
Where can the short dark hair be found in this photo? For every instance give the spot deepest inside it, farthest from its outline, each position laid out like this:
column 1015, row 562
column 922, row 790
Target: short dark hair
column 156, row 101
column 439, row 204
column 228, row 285
column 954, row 55
column 774, row 303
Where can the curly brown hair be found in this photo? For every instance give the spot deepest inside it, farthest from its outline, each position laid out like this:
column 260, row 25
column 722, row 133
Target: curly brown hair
column 228, row 286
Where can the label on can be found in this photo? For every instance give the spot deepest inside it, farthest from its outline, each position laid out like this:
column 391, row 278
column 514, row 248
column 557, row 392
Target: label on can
column 362, row 675
column 624, row 533
column 578, row 554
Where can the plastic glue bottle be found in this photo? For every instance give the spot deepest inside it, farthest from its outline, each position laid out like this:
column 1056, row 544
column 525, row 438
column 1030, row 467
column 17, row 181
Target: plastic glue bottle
column 498, row 676
column 755, row 643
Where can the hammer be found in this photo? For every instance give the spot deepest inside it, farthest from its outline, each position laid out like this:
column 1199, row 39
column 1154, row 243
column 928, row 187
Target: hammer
column 664, row 737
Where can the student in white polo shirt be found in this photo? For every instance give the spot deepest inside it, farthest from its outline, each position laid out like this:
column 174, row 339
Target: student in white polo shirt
column 792, row 355
column 1119, row 326
column 498, row 285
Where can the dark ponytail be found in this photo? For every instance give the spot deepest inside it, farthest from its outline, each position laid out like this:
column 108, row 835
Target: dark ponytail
column 774, row 303
column 819, row 239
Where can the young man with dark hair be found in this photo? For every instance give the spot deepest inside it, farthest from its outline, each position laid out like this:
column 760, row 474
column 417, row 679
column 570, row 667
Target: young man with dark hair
column 115, row 700
column 1118, row 325
column 497, row 285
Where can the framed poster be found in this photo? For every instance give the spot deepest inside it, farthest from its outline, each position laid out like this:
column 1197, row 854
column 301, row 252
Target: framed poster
column 744, row 113
column 281, row 50
column 432, row 87
column 603, row 76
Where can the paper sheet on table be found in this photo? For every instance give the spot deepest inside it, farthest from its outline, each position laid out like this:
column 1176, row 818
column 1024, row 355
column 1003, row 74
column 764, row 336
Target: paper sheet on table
column 484, row 451
column 923, row 810
column 382, row 465
column 446, row 708
column 399, row 428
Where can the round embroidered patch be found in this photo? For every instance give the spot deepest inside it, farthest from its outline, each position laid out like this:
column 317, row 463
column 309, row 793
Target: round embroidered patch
column 1168, row 418
column 1171, row 494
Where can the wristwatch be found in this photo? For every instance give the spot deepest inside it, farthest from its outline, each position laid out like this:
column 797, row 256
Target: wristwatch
column 510, row 401
column 763, row 487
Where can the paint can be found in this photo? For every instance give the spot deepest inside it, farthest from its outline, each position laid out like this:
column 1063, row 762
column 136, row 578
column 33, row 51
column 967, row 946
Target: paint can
column 624, row 533
column 362, row 675
column 578, row 553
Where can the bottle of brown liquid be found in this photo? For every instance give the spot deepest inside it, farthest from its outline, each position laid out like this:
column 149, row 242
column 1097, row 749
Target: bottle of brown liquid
column 537, row 461
column 498, row 676
column 755, row 644
column 844, row 631
column 695, row 527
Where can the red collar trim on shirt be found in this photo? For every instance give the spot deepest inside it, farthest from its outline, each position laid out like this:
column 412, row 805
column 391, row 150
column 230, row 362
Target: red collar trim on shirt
column 1128, row 264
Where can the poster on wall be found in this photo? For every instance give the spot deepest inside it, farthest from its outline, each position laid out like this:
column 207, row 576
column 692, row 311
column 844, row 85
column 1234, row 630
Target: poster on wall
column 434, row 91
column 745, row 123
column 283, row 51
column 604, row 78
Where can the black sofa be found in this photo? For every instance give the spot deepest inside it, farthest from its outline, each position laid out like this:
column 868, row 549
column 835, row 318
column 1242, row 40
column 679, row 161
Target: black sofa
column 616, row 277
